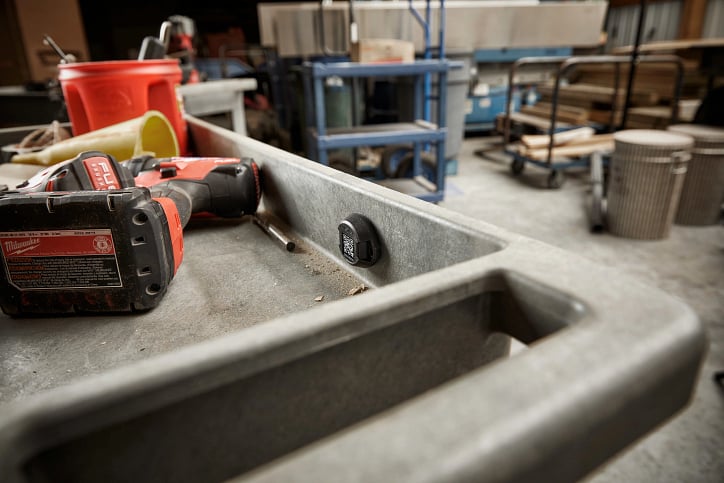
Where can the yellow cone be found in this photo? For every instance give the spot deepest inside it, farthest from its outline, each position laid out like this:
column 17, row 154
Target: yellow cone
column 149, row 134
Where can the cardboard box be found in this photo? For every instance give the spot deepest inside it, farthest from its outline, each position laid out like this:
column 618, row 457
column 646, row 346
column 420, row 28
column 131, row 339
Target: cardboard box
column 61, row 19
column 382, row 51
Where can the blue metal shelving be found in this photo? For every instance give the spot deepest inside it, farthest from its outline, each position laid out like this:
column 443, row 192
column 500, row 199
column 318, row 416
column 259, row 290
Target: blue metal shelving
column 419, row 132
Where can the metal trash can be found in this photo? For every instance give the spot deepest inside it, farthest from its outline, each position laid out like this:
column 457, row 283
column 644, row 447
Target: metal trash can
column 703, row 191
column 647, row 172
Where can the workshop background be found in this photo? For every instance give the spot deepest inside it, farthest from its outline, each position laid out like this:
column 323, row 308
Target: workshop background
column 529, row 153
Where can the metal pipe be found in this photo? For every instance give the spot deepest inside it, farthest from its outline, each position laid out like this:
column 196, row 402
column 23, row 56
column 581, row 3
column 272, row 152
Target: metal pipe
column 633, row 64
column 425, row 24
column 597, row 192
column 441, row 31
column 508, row 99
column 677, row 90
column 554, row 111
column 64, row 58
column 275, row 233
column 511, row 76
column 614, row 104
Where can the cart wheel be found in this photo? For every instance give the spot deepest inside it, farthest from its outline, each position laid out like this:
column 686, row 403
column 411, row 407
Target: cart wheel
column 391, row 157
column 428, row 164
column 556, row 179
column 517, row 166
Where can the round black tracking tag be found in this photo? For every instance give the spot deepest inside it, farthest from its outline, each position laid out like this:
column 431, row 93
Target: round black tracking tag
column 358, row 241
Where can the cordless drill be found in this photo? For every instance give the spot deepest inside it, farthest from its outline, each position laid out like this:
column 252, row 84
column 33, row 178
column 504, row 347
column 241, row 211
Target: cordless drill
column 95, row 235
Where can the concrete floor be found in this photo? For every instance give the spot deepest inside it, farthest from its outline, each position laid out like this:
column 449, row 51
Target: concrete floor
column 689, row 264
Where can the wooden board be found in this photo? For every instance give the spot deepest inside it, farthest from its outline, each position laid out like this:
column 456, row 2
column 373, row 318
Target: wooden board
column 532, row 141
column 649, row 117
column 603, row 116
column 522, row 118
column 564, row 113
column 589, row 94
column 658, row 78
column 653, row 117
column 541, row 154
column 602, row 142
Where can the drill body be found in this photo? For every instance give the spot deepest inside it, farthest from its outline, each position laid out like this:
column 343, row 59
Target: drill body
column 226, row 187
column 94, row 235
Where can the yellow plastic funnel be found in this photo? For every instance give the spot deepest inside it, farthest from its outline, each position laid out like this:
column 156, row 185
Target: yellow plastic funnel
column 149, row 134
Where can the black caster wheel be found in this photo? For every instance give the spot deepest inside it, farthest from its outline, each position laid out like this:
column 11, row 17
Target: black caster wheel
column 556, row 179
column 517, row 166
column 391, row 158
column 428, row 164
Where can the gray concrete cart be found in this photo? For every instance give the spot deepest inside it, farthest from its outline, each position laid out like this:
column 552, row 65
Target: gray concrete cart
column 240, row 373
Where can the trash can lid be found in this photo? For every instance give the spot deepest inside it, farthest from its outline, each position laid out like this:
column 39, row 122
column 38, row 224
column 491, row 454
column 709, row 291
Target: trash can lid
column 709, row 135
column 654, row 138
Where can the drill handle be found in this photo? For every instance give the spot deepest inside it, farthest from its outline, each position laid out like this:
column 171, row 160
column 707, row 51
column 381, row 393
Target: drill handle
column 180, row 197
column 226, row 187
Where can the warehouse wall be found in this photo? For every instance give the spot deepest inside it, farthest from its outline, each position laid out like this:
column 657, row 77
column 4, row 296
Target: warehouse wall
column 662, row 23
column 24, row 57
column 714, row 20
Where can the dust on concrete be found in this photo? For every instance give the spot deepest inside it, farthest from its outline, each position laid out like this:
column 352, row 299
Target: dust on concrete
column 339, row 281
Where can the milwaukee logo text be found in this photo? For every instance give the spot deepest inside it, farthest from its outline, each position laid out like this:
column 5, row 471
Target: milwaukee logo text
column 13, row 247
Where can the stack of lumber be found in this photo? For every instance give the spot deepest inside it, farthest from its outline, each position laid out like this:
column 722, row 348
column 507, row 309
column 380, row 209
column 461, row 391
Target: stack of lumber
column 596, row 102
column 656, row 117
column 574, row 143
column 652, row 78
column 586, row 95
column 659, row 117
column 564, row 113
column 589, row 97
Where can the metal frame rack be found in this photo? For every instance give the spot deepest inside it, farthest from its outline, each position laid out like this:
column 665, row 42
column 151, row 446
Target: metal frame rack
column 556, row 167
column 420, row 132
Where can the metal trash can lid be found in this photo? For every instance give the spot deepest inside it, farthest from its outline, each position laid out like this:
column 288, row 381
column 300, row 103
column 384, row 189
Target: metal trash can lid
column 653, row 138
column 651, row 146
column 706, row 137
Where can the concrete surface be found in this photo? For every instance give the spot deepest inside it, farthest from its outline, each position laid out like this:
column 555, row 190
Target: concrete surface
column 689, row 265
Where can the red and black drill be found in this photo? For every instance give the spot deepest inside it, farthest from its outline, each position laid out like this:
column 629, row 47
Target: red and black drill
column 95, row 235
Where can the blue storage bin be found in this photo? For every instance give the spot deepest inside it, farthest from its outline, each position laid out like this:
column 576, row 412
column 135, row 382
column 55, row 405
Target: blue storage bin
column 484, row 109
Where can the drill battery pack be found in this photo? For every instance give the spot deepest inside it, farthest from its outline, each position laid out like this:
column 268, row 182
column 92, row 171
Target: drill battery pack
column 86, row 251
